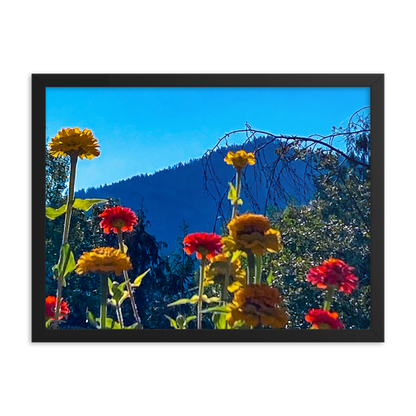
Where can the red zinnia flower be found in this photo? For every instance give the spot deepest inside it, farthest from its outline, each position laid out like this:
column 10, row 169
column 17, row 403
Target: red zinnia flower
column 50, row 304
column 333, row 272
column 118, row 218
column 321, row 319
column 205, row 244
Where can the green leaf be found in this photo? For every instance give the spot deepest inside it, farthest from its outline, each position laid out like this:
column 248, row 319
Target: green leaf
column 91, row 319
column 121, row 285
column 219, row 320
column 180, row 320
column 236, row 255
column 206, row 299
column 124, row 297
column 110, row 287
column 111, row 324
column 193, row 300
column 134, row 326
column 232, row 194
column 180, row 302
column 138, row 280
column 269, row 278
column 111, row 302
column 190, row 318
column 219, row 309
column 120, row 295
column 66, row 263
column 52, row 213
column 86, row 204
column 172, row 322
column 239, row 324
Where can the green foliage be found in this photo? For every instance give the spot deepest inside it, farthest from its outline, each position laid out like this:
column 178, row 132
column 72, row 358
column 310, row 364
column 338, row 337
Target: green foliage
column 109, row 323
column 56, row 174
column 181, row 321
column 116, row 290
column 220, row 321
column 86, row 204
column 336, row 223
column 92, row 320
column 194, row 299
column 165, row 276
column 232, row 195
column 66, row 263
column 81, row 292
column 138, row 281
column 52, row 213
column 219, row 309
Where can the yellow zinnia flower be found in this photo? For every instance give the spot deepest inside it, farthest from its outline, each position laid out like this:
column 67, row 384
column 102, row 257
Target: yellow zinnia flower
column 103, row 259
column 220, row 267
column 240, row 159
column 257, row 305
column 74, row 142
column 252, row 232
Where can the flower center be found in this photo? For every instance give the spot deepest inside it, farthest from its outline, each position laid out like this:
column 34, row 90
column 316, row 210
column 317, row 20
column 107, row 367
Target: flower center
column 250, row 230
column 118, row 223
column 202, row 250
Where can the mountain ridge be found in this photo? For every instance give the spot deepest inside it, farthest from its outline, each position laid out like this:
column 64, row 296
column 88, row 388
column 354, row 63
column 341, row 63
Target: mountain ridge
column 196, row 191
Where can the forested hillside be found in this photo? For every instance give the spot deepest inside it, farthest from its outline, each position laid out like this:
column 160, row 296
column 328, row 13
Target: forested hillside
column 190, row 192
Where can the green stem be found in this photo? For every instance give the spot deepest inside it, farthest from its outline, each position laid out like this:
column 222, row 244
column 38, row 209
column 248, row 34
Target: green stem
column 68, row 213
column 237, row 187
column 328, row 300
column 224, row 287
column 201, row 291
column 119, row 315
column 250, row 267
column 55, row 321
column 127, row 279
column 224, row 293
column 258, row 269
column 103, row 304
column 70, row 200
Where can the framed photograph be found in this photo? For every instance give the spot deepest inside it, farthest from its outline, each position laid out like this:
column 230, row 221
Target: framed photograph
column 231, row 207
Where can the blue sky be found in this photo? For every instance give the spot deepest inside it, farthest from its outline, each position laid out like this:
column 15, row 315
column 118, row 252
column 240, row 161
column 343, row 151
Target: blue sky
column 143, row 130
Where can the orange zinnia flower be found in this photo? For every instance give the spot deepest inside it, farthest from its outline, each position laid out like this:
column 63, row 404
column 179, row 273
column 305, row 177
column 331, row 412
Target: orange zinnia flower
column 257, row 305
column 321, row 319
column 118, row 218
column 50, row 304
column 221, row 268
column 205, row 244
column 240, row 159
column 103, row 260
column 252, row 232
column 73, row 141
column 333, row 272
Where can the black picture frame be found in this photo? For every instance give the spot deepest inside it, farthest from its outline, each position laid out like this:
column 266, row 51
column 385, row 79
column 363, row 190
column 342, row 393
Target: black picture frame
column 39, row 84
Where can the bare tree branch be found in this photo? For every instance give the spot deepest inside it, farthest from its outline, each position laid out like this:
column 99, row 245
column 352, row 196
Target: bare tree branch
column 292, row 172
column 310, row 139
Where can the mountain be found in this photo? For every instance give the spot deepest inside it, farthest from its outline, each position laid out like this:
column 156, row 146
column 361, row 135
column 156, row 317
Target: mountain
column 197, row 191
